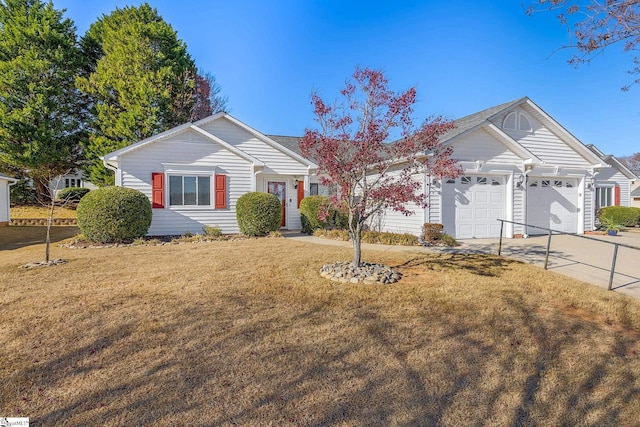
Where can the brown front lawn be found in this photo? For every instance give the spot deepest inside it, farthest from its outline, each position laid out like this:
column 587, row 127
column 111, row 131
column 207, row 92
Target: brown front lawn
column 41, row 212
column 247, row 333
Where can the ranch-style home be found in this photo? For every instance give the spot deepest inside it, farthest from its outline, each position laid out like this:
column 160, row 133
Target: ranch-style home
column 5, row 183
column 194, row 174
column 519, row 164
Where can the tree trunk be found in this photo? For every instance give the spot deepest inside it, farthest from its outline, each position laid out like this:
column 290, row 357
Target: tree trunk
column 48, row 240
column 43, row 193
column 356, row 238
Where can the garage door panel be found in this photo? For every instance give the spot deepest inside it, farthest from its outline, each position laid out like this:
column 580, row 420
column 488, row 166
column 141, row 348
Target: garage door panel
column 552, row 203
column 471, row 207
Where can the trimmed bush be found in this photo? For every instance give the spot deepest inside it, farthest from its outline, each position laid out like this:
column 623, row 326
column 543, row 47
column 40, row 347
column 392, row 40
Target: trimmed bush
column 114, row 215
column 310, row 207
column 72, row 194
column 258, row 214
column 628, row 217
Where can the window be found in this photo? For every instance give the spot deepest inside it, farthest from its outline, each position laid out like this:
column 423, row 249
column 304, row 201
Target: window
column 450, row 181
column 533, row 183
column 495, row 181
column 604, row 196
column 545, row 183
column 481, row 180
column 189, row 190
column 517, row 121
column 557, row 183
column 71, row 182
column 313, row 189
column 465, row 180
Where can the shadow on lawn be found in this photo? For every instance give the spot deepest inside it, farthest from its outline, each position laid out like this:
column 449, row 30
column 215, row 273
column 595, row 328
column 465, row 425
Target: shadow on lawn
column 15, row 237
column 475, row 263
column 442, row 370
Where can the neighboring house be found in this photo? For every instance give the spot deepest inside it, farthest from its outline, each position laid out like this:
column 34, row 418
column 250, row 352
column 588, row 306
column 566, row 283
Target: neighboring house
column 5, row 203
column 635, row 191
column 520, row 165
column 194, row 174
column 613, row 185
column 75, row 179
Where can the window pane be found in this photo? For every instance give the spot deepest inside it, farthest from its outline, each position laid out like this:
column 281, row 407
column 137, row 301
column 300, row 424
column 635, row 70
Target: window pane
column 313, row 189
column 189, row 190
column 465, row 180
column 510, row 121
column 481, row 180
column 524, row 123
column 204, row 190
column 175, row 190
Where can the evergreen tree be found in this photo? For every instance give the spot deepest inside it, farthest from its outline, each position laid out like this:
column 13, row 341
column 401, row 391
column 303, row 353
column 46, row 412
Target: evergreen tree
column 41, row 113
column 142, row 81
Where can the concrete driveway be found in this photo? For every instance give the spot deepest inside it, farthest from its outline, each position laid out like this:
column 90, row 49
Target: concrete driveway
column 588, row 260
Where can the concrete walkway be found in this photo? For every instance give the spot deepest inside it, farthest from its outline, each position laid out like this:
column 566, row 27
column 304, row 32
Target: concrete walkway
column 584, row 259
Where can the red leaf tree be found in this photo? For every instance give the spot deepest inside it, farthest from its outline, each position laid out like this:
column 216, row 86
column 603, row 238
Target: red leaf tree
column 353, row 150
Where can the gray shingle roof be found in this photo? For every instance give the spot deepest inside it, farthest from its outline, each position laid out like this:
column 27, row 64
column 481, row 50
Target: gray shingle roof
column 471, row 121
column 290, row 142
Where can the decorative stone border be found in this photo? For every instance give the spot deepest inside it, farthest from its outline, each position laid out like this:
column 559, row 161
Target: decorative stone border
column 367, row 273
column 43, row 221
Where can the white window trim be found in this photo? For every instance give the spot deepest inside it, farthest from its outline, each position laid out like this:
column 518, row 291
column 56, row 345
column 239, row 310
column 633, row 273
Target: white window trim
column 167, row 185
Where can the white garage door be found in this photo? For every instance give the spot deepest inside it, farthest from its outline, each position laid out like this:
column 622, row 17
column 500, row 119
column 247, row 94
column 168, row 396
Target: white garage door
column 472, row 205
column 552, row 203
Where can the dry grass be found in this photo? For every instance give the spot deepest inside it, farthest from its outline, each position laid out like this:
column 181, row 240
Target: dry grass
column 41, row 212
column 247, row 333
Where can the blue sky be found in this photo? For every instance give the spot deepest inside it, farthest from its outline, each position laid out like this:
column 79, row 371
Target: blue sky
column 462, row 56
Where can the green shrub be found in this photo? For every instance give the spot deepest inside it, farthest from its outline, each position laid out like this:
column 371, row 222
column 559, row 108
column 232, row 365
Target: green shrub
column 310, row 208
column 211, row 231
column 114, row 215
column 258, row 214
column 628, row 217
column 72, row 194
column 22, row 193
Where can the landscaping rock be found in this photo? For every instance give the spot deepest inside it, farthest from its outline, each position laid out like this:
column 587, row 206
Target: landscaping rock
column 45, row 263
column 367, row 273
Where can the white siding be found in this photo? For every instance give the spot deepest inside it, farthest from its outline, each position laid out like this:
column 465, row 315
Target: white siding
column 275, row 160
column 479, row 145
column 198, row 155
column 545, row 144
column 519, row 195
column 396, row 222
column 4, row 200
column 612, row 176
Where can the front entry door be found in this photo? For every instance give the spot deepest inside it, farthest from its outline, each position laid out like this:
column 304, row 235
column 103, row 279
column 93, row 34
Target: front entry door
column 279, row 189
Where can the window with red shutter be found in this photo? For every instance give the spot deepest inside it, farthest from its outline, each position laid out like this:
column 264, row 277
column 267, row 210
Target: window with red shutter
column 221, row 192
column 157, row 190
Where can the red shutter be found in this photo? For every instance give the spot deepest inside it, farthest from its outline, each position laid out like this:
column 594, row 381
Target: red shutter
column 157, row 190
column 221, row 192
column 300, row 192
column 617, row 196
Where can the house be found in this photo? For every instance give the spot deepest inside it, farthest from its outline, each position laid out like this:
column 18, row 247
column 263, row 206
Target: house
column 613, row 185
column 5, row 203
column 72, row 179
column 520, row 165
column 194, row 174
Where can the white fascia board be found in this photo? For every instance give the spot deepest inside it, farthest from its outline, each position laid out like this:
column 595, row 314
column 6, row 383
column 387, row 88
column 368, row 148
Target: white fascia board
column 270, row 141
column 564, row 134
column 228, row 146
column 145, row 142
column 513, row 145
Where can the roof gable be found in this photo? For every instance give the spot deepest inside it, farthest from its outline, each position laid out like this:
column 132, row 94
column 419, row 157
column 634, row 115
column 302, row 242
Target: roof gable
column 613, row 161
column 112, row 158
column 488, row 118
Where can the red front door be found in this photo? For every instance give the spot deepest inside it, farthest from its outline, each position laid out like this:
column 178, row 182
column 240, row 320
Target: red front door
column 279, row 189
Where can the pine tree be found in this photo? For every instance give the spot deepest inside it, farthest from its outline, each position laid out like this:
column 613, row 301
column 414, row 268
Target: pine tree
column 141, row 82
column 42, row 114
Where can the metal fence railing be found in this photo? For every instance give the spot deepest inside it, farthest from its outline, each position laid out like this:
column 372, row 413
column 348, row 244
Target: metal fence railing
column 551, row 232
